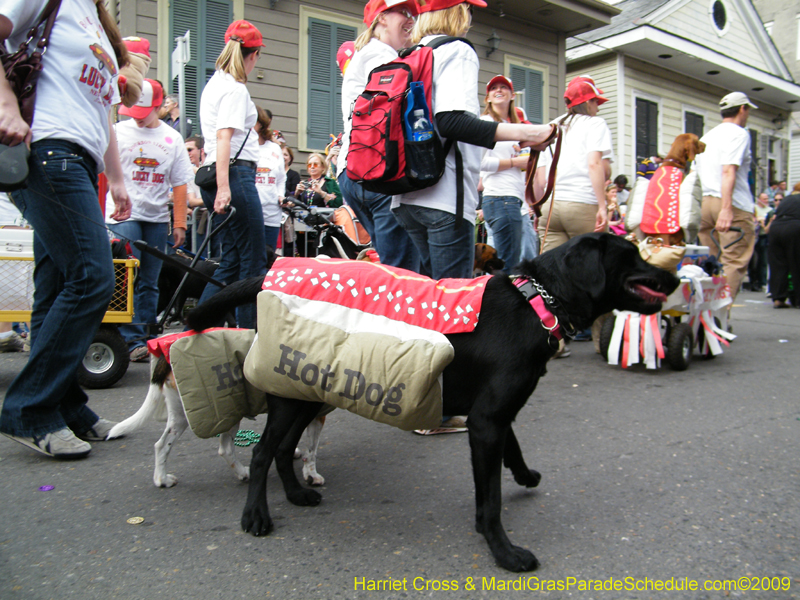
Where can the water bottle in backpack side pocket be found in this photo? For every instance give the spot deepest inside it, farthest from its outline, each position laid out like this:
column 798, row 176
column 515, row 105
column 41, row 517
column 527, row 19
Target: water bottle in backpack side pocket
column 417, row 121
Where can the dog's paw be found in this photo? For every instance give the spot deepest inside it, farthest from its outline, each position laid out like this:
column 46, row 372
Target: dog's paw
column 243, row 473
column 165, row 481
column 311, row 477
column 304, row 497
column 256, row 520
column 518, row 560
column 528, row 478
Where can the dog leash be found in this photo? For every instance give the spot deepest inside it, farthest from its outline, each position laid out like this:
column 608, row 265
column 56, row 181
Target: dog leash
column 530, row 197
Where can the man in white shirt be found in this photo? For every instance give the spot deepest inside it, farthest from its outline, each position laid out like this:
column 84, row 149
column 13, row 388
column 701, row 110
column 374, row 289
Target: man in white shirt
column 727, row 200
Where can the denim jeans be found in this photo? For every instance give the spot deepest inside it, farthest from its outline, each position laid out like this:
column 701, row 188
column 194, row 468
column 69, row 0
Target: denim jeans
column 530, row 241
column 145, row 299
column 392, row 243
column 244, row 247
column 503, row 215
column 444, row 250
column 74, row 282
column 271, row 235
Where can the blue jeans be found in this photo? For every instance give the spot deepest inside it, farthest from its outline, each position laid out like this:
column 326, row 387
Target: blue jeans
column 393, row 244
column 444, row 250
column 530, row 241
column 74, row 282
column 271, row 234
column 145, row 299
column 244, row 247
column 503, row 215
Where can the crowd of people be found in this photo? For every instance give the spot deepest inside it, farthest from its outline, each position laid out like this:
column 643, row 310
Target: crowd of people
column 150, row 168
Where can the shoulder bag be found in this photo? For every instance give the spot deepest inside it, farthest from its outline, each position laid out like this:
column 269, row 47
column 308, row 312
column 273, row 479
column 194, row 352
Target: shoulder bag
column 22, row 72
column 206, row 176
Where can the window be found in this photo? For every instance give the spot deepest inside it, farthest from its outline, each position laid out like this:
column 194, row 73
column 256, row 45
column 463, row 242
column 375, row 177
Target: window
column 530, row 85
column 207, row 21
column 719, row 16
column 320, row 82
column 693, row 123
column 646, row 128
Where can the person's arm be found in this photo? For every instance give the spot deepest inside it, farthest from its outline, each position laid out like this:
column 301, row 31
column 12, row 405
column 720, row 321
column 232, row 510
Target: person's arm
column 13, row 129
column 597, row 176
column 116, row 182
column 223, row 198
column 179, row 215
column 725, row 218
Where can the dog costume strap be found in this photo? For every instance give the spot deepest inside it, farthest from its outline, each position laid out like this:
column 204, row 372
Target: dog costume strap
column 529, row 289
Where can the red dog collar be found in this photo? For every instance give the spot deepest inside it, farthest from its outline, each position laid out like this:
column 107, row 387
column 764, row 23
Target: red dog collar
column 532, row 295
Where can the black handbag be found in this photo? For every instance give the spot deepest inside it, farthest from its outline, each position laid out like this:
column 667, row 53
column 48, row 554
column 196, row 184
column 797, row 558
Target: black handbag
column 22, row 72
column 206, row 176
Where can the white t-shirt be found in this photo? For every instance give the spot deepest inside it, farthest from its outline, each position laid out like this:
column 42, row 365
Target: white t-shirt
column 622, row 197
column 78, row 83
column 374, row 54
column 271, row 182
column 225, row 104
column 726, row 144
column 153, row 161
column 455, row 87
column 585, row 134
column 508, row 182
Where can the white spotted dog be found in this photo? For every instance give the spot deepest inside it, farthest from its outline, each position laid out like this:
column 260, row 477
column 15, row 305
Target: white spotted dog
column 163, row 393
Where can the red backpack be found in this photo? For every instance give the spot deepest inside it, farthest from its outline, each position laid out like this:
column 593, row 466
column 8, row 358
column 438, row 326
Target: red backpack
column 382, row 157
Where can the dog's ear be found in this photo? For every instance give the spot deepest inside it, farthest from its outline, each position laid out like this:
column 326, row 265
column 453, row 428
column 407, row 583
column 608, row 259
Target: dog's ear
column 585, row 261
column 691, row 146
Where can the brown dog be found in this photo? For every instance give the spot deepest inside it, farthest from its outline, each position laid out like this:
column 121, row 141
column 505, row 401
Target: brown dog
column 684, row 148
column 486, row 260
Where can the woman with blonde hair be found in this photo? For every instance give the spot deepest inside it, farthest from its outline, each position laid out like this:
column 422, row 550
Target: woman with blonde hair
column 390, row 25
column 502, row 174
column 227, row 116
column 439, row 219
column 44, row 407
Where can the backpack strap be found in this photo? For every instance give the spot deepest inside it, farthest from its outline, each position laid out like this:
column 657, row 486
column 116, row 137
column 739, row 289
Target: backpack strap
column 441, row 41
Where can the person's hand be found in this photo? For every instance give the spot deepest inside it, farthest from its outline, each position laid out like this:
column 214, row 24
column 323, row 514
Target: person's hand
column 317, row 187
column 479, row 216
column 122, row 203
column 724, row 220
column 601, row 222
column 222, row 200
column 301, row 187
column 13, row 129
column 179, row 235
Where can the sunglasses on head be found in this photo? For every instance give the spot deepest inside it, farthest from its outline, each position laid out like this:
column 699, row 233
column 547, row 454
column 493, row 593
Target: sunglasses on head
column 403, row 11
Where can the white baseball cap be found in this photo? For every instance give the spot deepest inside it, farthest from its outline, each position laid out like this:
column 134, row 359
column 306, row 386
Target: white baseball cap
column 735, row 99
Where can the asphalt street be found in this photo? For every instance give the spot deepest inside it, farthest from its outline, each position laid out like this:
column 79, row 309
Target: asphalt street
column 683, row 480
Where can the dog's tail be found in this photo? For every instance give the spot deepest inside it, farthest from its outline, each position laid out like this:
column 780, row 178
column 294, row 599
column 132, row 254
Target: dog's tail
column 208, row 313
column 151, row 405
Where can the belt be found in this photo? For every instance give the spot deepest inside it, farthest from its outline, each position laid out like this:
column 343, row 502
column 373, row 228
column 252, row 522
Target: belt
column 243, row 163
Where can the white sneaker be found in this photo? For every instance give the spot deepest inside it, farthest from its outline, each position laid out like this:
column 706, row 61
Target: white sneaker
column 58, row 444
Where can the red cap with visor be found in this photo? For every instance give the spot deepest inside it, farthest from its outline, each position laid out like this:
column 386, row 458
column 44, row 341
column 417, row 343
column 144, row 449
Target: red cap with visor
column 581, row 89
column 245, row 33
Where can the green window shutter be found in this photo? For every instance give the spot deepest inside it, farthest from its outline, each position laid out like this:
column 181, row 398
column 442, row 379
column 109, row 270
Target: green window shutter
column 207, row 21
column 324, row 80
column 531, row 82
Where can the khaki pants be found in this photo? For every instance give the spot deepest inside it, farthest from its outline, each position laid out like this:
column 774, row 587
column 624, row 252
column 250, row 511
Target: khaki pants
column 569, row 220
column 736, row 258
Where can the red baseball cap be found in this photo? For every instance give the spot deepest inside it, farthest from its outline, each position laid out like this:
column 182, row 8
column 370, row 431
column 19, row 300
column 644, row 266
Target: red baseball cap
column 432, row 5
column 581, row 89
column 376, row 7
column 137, row 45
column 500, row 79
column 152, row 96
column 343, row 56
column 245, row 33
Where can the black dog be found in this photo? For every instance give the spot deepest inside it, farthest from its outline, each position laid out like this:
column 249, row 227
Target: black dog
column 494, row 372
